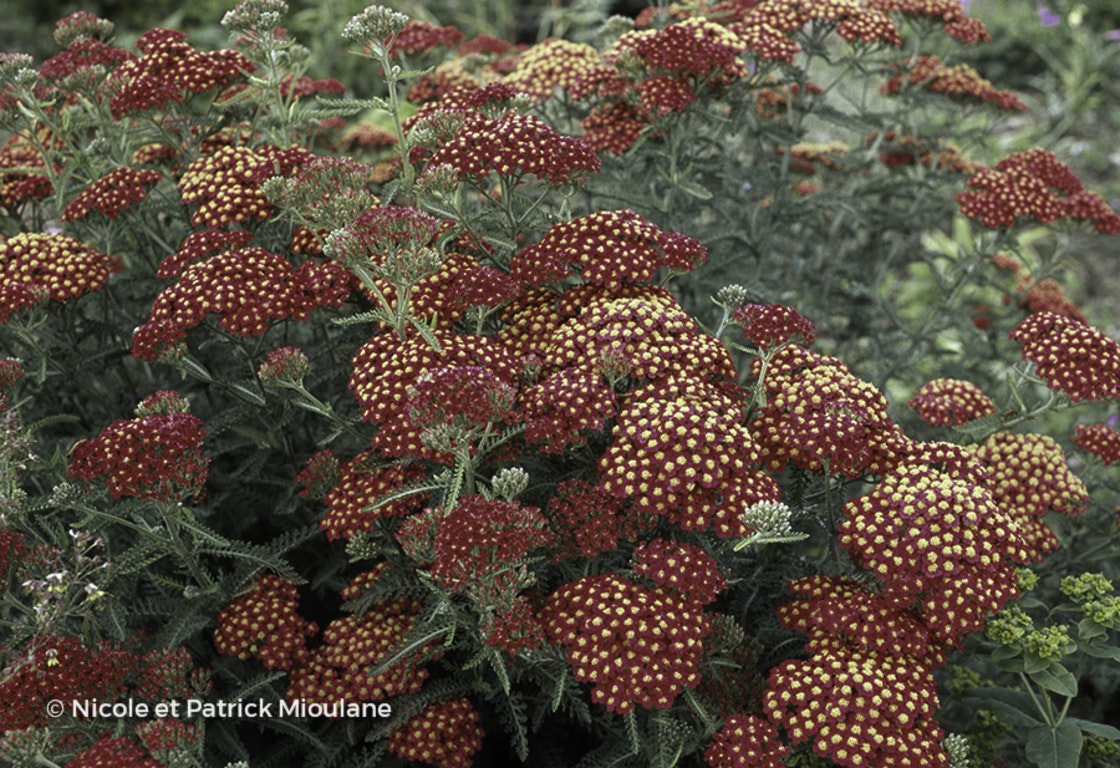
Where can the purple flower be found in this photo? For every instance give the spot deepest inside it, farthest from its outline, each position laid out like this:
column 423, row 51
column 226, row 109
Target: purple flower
column 1047, row 17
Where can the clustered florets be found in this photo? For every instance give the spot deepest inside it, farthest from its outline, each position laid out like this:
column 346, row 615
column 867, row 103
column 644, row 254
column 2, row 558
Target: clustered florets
column 446, row 735
column 636, row 646
column 151, row 457
column 265, row 623
column 1070, row 356
column 953, row 402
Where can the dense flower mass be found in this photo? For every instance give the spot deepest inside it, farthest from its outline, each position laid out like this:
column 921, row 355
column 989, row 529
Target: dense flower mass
column 113, row 752
column 772, row 325
column 1030, row 477
column 514, row 145
column 959, row 81
column 168, row 70
column 357, row 485
column 636, row 646
column 445, row 735
column 746, row 741
column 55, row 266
column 609, row 248
column 151, row 457
column 265, row 623
column 112, row 193
column 683, row 568
column 1033, row 184
column 1101, row 440
column 819, row 415
column 59, row 667
column 226, row 184
column 480, row 538
column 1070, row 356
column 950, row 402
column 249, row 289
column 573, row 68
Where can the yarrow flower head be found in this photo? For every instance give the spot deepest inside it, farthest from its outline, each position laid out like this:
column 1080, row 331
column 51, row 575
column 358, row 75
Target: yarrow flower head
column 45, row 266
column 1033, row 184
column 112, row 194
column 81, row 25
column 573, row 68
column 1030, row 477
column 609, row 248
column 951, row 402
column 358, row 484
column 637, row 647
column 686, row 569
column 746, row 741
column 514, row 145
column 286, row 365
column 118, row 752
column 959, row 82
column 446, row 735
column 164, row 401
column 1070, row 356
column 1101, row 440
column 374, row 27
column 151, row 457
column 255, row 15
column 265, row 623
column 772, row 325
column 168, row 70
column 480, row 538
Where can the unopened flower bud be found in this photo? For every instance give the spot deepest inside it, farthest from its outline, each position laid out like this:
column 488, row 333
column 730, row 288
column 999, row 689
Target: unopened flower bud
column 509, row 482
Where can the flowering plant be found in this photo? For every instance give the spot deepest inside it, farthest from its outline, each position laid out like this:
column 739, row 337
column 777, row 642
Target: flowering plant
column 559, row 404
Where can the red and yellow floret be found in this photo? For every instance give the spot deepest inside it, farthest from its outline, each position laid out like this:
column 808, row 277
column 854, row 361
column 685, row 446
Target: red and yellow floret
column 951, row 402
column 265, row 623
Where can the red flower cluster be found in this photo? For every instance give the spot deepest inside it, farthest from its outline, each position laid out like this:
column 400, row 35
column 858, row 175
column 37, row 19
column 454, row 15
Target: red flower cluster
column 610, row 248
column 573, row 68
column 361, row 482
column 81, row 56
column 952, row 12
column 483, row 538
column 112, row 193
column 954, row 402
column 36, row 267
column 445, row 735
column 168, row 70
column 560, row 410
column 1101, row 440
column 151, row 457
column 818, row 413
column 199, row 245
column 265, row 623
column 929, row 536
column 1070, row 356
column 641, row 333
column 514, row 145
column 685, row 569
column 420, row 36
column 227, row 182
column 695, row 49
column 771, row 325
column 746, row 741
column 168, row 674
column 385, row 367
column 56, row 667
column 286, row 364
column 767, row 28
column 636, row 646
column 959, row 81
column 18, row 182
column 461, row 398
column 680, row 450
column 353, row 646
column 164, row 736
column 859, row 708
column 1033, row 184
column 248, row 288
column 1029, row 477
column 586, row 522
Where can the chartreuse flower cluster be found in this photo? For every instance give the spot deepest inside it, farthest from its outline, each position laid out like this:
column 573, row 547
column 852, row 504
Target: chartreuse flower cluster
column 515, row 488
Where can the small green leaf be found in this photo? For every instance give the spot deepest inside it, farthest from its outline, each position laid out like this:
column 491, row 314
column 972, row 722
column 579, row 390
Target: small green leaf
column 1087, row 629
column 1013, row 707
column 692, row 189
column 1101, row 650
column 1056, row 678
column 1097, row 729
column 1058, row 747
